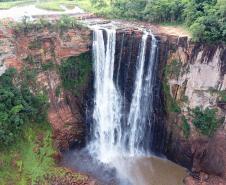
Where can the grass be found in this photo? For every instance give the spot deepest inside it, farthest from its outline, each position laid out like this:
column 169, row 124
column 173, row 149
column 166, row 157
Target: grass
column 85, row 4
column 29, row 158
column 175, row 24
column 98, row 10
column 10, row 4
column 55, row 5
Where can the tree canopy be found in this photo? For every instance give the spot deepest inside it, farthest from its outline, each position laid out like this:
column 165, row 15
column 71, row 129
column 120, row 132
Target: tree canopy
column 206, row 19
column 18, row 106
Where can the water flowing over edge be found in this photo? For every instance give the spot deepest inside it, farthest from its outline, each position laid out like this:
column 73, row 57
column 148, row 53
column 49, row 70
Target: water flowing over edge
column 110, row 139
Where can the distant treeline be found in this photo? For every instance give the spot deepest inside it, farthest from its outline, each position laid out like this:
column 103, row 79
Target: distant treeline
column 7, row 0
column 206, row 19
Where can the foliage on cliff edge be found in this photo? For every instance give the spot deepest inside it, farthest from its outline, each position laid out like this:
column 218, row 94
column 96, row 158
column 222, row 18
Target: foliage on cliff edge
column 206, row 19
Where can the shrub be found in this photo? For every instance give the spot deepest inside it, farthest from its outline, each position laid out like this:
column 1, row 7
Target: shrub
column 173, row 68
column 205, row 120
column 74, row 71
column 58, row 91
column 205, row 18
column 222, row 95
column 48, row 66
column 171, row 103
column 185, row 127
column 66, row 22
column 17, row 107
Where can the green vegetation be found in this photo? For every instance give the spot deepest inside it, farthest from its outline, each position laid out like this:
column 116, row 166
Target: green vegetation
column 75, row 72
column 185, row 127
column 222, row 95
column 9, row 4
column 171, row 69
column 28, row 159
column 48, row 66
column 185, row 99
column 205, row 120
column 58, row 91
column 50, row 6
column 55, row 5
column 29, row 60
column 65, row 22
column 29, row 76
column 25, row 138
column 18, row 107
column 99, row 7
column 206, row 19
column 171, row 103
column 174, row 68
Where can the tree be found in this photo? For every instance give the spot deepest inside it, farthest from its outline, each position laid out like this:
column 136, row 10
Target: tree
column 18, row 106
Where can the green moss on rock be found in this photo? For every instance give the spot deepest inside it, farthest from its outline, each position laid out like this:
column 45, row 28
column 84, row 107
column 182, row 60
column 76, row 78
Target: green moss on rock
column 75, row 71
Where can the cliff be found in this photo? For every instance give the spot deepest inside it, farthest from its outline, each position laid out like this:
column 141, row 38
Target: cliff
column 194, row 89
column 190, row 75
column 189, row 107
column 41, row 52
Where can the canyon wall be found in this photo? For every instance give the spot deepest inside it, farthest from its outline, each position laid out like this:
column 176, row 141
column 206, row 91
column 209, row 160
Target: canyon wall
column 128, row 44
column 41, row 52
column 193, row 85
column 190, row 75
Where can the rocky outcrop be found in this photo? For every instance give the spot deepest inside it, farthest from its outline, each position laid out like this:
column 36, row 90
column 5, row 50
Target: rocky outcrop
column 195, row 77
column 42, row 51
column 68, row 177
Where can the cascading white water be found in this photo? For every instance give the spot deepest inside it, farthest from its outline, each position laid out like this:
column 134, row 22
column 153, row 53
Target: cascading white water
column 135, row 107
column 110, row 139
column 107, row 105
column 148, row 95
column 142, row 100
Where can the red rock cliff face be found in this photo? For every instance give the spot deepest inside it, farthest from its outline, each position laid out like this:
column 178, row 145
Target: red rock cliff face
column 199, row 68
column 39, row 48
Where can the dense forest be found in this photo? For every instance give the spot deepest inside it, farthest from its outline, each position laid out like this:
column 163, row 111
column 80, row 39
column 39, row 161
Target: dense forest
column 18, row 107
column 206, row 19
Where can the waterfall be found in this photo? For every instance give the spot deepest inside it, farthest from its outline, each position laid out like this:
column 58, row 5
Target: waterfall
column 134, row 119
column 107, row 105
column 110, row 138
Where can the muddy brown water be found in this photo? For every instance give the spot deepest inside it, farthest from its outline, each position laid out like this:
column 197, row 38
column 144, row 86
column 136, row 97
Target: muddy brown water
column 151, row 171
column 126, row 170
